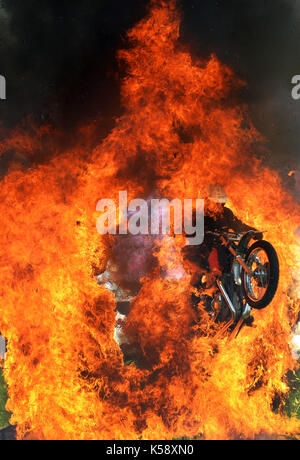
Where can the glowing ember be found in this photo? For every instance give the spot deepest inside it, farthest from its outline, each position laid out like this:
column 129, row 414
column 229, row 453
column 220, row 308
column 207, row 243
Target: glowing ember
column 180, row 130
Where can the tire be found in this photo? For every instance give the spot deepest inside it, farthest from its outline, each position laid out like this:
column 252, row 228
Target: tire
column 273, row 275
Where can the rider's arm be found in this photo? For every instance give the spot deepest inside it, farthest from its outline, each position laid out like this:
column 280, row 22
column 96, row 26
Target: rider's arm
column 235, row 224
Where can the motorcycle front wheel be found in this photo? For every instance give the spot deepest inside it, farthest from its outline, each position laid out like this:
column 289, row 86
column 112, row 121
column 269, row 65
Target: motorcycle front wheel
column 260, row 286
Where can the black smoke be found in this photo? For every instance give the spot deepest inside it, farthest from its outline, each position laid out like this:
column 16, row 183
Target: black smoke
column 59, row 58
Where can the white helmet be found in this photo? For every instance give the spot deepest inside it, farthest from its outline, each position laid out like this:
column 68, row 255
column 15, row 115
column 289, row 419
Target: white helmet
column 216, row 193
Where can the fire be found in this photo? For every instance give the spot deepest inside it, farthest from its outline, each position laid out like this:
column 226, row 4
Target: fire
column 182, row 127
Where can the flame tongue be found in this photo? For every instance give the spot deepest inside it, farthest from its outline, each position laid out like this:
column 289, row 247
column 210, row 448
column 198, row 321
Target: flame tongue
column 65, row 372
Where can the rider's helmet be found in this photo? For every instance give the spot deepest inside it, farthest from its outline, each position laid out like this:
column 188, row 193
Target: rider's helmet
column 217, row 193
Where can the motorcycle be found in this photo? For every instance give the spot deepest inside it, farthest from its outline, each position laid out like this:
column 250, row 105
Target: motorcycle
column 251, row 284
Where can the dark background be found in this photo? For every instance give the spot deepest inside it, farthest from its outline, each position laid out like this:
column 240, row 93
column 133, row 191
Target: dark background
column 59, row 60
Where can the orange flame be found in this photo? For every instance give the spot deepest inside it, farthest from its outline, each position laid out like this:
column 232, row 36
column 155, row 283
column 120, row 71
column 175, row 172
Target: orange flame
column 182, row 127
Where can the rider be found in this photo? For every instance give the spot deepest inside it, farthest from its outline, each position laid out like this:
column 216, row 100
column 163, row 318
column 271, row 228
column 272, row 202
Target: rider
column 212, row 255
column 220, row 219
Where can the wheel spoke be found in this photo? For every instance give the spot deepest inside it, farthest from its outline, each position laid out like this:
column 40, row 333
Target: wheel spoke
column 257, row 283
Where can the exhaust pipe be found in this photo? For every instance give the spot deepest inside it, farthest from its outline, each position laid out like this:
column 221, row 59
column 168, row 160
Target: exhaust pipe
column 227, row 299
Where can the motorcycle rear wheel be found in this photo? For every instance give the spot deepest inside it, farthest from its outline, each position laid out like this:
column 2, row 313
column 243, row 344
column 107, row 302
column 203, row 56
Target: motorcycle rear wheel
column 260, row 287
